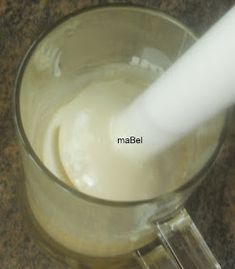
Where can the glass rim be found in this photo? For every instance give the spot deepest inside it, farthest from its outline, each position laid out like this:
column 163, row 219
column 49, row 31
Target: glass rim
column 32, row 154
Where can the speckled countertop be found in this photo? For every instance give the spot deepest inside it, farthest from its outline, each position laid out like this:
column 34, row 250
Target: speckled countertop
column 212, row 206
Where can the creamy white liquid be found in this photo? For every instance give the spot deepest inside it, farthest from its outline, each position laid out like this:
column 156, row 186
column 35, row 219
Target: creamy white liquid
column 69, row 130
column 79, row 150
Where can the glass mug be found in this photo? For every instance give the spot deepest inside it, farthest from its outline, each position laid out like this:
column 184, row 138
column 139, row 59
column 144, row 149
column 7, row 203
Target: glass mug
column 88, row 232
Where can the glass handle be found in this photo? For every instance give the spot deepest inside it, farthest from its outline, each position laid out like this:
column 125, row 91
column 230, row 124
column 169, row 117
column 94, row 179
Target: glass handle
column 179, row 246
